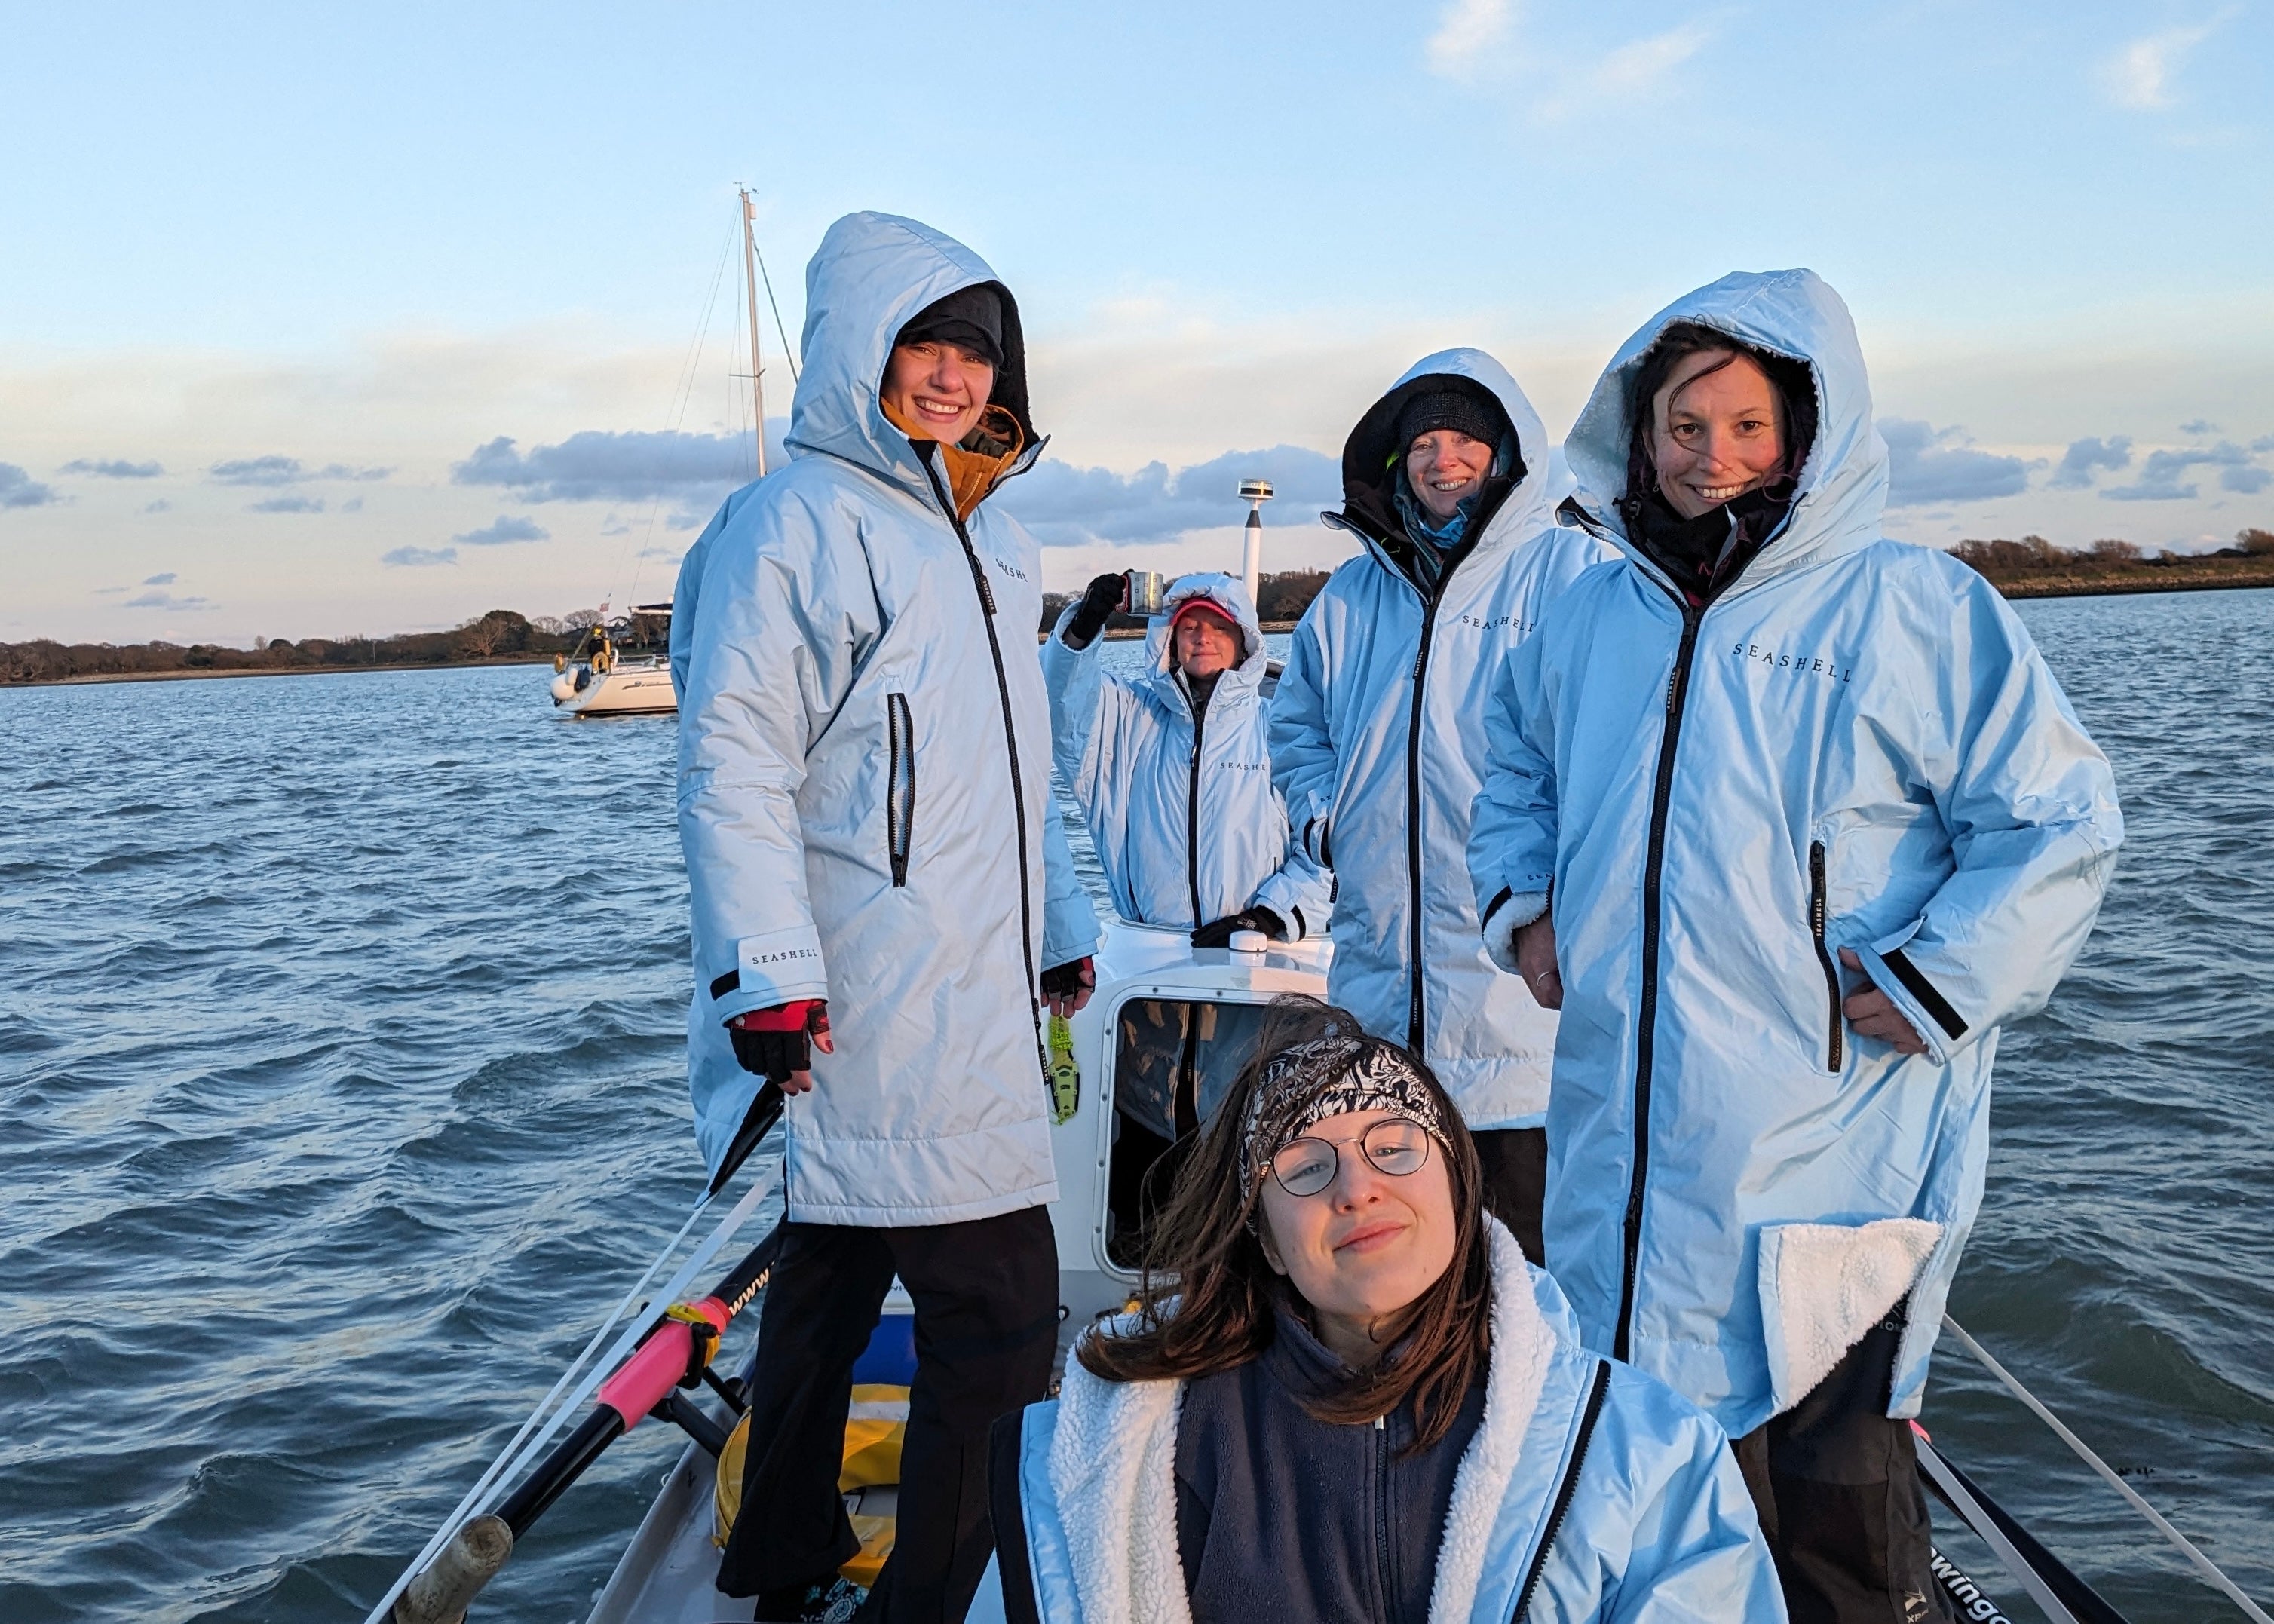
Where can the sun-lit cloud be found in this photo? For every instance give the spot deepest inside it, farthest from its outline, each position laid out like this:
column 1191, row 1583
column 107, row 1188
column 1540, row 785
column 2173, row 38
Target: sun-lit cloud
column 2139, row 75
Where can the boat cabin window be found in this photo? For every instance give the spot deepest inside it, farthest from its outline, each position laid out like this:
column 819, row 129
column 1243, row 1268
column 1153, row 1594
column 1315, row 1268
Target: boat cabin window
column 1173, row 1062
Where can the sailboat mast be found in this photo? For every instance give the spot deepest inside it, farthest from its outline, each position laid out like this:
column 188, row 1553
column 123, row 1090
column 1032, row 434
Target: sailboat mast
column 750, row 284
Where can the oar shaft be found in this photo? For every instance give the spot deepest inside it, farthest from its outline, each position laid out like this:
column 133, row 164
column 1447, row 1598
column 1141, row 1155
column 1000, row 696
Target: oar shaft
column 569, row 1459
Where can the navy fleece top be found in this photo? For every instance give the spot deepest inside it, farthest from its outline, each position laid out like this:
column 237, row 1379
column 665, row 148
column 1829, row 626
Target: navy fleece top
column 1283, row 1517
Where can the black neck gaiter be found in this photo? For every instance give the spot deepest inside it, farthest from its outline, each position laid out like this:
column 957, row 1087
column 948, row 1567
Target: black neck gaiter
column 1705, row 554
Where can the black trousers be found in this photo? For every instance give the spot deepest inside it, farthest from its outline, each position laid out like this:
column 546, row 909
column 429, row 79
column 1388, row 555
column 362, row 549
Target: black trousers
column 986, row 1296
column 1836, row 1484
column 1516, row 1181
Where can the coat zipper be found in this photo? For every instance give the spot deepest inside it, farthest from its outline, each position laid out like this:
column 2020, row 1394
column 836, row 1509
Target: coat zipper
column 1566, row 1489
column 1415, row 1014
column 1192, row 812
column 1834, row 1051
column 1382, row 1513
column 1010, row 750
column 901, row 786
column 1677, row 696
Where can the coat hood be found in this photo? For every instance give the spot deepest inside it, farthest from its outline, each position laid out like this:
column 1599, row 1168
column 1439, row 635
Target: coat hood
column 1842, row 489
column 1367, row 454
column 870, row 276
column 1227, row 594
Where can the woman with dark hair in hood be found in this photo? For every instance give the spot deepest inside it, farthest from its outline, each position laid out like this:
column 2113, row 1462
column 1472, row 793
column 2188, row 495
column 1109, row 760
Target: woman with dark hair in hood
column 1344, row 1394
column 1377, row 735
column 1787, row 819
column 883, row 904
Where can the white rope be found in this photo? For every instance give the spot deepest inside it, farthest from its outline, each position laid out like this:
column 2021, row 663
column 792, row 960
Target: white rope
column 2204, row 1565
column 519, row 1454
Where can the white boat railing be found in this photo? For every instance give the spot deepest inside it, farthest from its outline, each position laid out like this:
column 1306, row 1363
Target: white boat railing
column 2209, row 1569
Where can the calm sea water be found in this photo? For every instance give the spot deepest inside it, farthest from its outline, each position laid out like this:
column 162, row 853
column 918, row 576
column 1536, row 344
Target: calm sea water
column 340, row 1059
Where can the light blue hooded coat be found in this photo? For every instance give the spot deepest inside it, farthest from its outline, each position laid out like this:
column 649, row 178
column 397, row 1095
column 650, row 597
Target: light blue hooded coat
column 1186, row 823
column 865, row 781
column 1378, row 743
column 1855, row 745
column 1654, row 1525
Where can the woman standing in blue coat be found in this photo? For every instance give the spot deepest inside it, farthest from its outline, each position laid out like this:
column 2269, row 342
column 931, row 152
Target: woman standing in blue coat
column 1173, row 768
column 1788, row 819
column 1378, row 735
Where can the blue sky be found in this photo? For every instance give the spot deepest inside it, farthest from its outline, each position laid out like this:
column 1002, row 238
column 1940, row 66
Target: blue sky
column 277, row 283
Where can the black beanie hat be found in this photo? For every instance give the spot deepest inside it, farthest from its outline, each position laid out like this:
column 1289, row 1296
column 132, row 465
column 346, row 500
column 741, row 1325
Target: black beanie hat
column 971, row 317
column 1447, row 408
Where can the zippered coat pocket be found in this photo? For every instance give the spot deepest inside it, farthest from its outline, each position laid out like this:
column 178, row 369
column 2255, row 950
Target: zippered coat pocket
column 1835, row 1045
column 900, row 786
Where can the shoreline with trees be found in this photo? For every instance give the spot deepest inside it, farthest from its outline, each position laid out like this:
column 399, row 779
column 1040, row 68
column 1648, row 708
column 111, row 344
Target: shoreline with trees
column 2029, row 567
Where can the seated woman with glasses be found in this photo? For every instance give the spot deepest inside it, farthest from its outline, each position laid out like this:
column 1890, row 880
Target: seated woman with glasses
column 1344, row 1394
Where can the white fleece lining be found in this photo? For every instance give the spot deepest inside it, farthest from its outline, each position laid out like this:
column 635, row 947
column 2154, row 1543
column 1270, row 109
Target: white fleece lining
column 1823, row 1285
column 1113, row 1459
column 1522, row 1346
column 1113, row 1466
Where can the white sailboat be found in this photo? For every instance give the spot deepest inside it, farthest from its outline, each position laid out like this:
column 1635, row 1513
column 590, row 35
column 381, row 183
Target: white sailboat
column 620, row 668
column 623, row 668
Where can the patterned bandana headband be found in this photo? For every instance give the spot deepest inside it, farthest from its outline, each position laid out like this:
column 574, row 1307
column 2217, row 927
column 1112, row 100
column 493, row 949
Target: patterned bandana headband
column 1328, row 1077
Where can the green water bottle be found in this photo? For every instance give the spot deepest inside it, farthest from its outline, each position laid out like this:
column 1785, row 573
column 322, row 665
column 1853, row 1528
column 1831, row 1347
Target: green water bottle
column 1065, row 1073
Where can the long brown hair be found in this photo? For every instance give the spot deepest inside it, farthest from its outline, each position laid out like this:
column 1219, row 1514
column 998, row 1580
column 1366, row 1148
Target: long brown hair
column 1207, row 1295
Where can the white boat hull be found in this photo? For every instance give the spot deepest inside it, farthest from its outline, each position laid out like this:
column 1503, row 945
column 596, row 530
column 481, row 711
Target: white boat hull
column 627, row 690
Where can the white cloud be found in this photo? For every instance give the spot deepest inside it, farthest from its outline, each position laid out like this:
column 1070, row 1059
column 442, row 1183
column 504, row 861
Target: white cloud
column 2139, row 76
column 1468, row 32
column 1643, row 63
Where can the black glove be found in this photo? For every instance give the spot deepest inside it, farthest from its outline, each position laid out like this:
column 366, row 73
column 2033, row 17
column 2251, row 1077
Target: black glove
column 774, row 1042
column 1098, row 605
column 1071, row 981
column 1218, row 932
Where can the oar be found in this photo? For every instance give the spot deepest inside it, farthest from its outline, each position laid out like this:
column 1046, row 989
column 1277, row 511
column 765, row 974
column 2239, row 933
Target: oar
column 677, row 1354
column 451, row 1544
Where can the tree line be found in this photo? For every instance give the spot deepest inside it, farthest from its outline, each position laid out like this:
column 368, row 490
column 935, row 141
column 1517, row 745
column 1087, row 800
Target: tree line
column 501, row 635
column 2034, row 559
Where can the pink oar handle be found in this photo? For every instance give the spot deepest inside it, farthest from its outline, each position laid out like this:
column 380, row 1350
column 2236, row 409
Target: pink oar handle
column 657, row 1364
